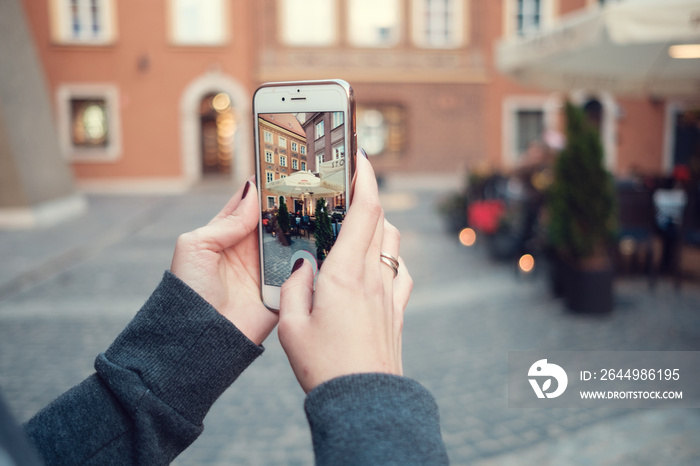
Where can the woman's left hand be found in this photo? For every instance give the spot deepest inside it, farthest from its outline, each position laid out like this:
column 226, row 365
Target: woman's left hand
column 220, row 261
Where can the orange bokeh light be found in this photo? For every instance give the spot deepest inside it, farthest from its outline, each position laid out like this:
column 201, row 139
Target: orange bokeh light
column 467, row 237
column 526, row 263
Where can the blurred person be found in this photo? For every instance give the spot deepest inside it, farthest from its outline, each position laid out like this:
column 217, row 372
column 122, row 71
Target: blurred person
column 205, row 323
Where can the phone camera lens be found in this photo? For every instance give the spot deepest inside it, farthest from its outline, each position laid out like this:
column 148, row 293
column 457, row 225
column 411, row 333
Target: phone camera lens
column 282, row 99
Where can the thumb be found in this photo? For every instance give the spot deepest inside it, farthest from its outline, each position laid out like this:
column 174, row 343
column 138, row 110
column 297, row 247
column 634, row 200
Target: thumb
column 225, row 231
column 296, row 295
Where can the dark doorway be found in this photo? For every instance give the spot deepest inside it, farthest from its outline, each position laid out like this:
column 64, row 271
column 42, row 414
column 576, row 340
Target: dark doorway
column 218, row 126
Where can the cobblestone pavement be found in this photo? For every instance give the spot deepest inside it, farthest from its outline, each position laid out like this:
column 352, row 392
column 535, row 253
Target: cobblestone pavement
column 66, row 292
column 278, row 270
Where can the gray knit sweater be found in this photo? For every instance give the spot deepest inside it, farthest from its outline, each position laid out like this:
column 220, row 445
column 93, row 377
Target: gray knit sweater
column 160, row 377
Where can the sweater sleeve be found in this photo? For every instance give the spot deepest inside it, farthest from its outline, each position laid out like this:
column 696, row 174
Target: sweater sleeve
column 374, row 419
column 153, row 386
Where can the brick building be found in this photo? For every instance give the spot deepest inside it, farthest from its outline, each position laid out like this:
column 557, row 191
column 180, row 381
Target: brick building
column 133, row 85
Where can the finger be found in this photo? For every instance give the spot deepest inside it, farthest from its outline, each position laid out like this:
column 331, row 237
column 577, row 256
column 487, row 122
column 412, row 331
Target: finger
column 235, row 200
column 403, row 285
column 390, row 246
column 223, row 232
column 372, row 267
column 360, row 223
column 296, row 294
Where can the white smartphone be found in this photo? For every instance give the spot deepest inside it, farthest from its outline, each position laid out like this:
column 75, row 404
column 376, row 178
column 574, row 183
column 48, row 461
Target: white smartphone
column 305, row 146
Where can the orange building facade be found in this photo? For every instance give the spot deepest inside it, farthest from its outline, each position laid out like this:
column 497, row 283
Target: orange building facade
column 135, row 85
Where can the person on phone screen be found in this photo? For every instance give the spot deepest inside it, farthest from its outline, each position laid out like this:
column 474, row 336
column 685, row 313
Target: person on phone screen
column 205, row 323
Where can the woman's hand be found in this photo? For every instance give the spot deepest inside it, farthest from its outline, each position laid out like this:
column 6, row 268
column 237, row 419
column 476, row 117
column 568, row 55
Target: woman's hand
column 220, row 261
column 353, row 321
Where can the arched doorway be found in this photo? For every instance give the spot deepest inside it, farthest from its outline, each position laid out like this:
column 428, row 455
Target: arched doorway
column 218, row 126
column 196, row 96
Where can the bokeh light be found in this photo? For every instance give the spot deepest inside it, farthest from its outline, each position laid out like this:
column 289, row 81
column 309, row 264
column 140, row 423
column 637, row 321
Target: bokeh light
column 526, row 263
column 467, row 237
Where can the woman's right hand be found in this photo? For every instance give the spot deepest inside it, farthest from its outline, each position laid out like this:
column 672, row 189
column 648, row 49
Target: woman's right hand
column 353, row 321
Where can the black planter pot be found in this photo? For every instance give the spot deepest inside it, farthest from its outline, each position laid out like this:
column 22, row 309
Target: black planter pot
column 587, row 291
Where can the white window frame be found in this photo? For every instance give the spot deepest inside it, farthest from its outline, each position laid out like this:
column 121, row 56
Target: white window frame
column 363, row 31
column 61, row 17
column 548, row 13
column 319, row 130
column 282, row 141
column 548, row 105
column 213, row 26
column 302, row 149
column 110, row 94
column 336, row 156
column 303, row 166
column 456, row 25
column 319, row 161
column 295, row 147
column 269, row 176
column 337, row 119
column 269, row 156
column 295, row 164
column 274, row 202
column 283, row 160
column 268, row 137
column 296, row 38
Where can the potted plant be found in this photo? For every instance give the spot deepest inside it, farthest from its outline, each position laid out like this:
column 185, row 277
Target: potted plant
column 581, row 208
column 283, row 223
column 323, row 231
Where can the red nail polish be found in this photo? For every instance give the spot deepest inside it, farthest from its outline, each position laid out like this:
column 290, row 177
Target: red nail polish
column 297, row 265
column 245, row 190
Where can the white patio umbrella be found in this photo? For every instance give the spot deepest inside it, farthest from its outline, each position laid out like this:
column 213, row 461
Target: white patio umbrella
column 332, row 174
column 301, row 183
column 622, row 47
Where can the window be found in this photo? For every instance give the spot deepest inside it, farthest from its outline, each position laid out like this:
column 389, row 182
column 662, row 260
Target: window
column 295, row 164
column 283, row 160
column 269, row 157
column 372, row 23
column 438, row 23
column 303, row 166
column 529, row 126
column 381, row 129
column 295, row 147
column 319, row 161
column 308, row 22
column 339, row 152
column 269, row 176
column 268, row 137
column 319, row 129
column 83, row 21
column 88, row 122
column 270, row 202
column 529, row 16
column 282, row 141
column 283, row 177
column 303, row 150
column 337, row 119
column 198, row 22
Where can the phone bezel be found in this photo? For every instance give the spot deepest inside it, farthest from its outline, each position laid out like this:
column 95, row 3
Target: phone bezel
column 332, row 95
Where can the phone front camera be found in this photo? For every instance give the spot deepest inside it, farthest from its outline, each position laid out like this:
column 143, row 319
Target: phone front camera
column 282, row 99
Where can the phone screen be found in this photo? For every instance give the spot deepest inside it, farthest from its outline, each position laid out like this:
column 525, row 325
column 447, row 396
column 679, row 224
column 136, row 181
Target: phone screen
column 303, row 184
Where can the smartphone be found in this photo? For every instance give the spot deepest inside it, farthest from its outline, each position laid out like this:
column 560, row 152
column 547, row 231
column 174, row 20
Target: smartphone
column 305, row 146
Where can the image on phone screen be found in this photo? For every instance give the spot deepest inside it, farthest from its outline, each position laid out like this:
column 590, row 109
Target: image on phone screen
column 303, row 188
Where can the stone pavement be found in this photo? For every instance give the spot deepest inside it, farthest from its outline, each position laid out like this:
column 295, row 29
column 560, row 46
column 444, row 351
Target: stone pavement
column 277, row 271
column 66, row 292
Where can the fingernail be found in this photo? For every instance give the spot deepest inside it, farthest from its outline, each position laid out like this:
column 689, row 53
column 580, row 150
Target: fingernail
column 245, row 190
column 362, row 151
column 297, row 265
